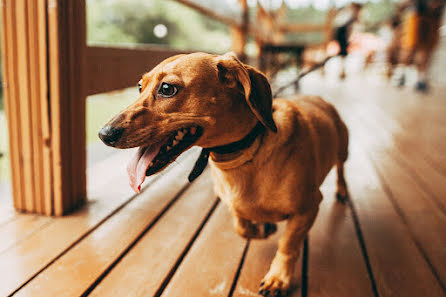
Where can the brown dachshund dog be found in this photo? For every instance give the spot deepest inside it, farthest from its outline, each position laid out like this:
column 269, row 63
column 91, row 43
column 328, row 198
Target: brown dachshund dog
column 268, row 158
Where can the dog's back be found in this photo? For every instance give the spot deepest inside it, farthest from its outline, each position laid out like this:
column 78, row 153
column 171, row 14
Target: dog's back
column 326, row 132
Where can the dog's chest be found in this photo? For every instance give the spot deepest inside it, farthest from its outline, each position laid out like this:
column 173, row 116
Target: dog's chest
column 245, row 197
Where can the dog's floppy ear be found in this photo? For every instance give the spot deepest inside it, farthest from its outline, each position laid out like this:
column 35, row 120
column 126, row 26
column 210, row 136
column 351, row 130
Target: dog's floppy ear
column 255, row 86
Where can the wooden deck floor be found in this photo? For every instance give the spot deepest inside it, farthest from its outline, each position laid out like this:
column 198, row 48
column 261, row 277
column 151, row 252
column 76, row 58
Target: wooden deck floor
column 176, row 239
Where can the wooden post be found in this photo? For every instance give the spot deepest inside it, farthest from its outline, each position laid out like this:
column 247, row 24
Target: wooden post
column 328, row 26
column 239, row 33
column 43, row 48
column 66, row 48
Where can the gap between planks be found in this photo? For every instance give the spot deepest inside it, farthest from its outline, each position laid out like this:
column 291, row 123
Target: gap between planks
column 102, row 212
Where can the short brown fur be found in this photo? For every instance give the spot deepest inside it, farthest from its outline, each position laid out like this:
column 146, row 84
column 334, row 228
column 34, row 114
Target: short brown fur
column 281, row 178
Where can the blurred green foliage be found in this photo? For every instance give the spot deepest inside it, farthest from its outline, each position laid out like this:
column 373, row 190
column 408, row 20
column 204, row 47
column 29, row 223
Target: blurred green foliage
column 132, row 22
column 375, row 13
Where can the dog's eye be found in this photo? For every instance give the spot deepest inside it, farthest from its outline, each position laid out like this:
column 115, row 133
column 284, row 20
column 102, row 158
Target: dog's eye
column 167, row 90
column 139, row 87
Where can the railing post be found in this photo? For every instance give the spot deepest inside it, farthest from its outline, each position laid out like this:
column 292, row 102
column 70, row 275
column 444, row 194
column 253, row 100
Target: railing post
column 43, row 50
column 239, row 33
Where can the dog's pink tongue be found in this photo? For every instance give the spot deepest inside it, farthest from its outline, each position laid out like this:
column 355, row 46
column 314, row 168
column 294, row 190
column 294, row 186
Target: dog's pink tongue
column 139, row 164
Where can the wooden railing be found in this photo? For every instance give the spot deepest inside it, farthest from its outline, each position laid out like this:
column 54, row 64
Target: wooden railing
column 112, row 68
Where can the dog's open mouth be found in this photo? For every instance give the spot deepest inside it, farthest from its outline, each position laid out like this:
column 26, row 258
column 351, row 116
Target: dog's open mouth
column 153, row 158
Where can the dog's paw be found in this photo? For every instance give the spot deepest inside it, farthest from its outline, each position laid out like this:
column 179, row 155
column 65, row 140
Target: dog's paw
column 274, row 286
column 342, row 197
column 257, row 230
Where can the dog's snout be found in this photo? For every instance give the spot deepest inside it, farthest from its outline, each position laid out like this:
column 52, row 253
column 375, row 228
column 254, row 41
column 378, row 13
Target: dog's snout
column 110, row 135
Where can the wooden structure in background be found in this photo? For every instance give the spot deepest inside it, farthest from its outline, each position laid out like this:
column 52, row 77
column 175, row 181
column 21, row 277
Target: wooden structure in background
column 238, row 22
column 270, row 38
column 48, row 72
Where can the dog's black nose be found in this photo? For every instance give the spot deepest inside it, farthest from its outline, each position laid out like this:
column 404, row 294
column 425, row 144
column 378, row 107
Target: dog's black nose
column 110, row 135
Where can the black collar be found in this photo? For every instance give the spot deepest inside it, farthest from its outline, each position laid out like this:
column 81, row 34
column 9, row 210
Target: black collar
column 241, row 144
column 233, row 147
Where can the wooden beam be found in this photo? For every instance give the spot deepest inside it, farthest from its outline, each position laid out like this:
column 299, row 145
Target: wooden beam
column 111, row 68
column 329, row 18
column 302, row 28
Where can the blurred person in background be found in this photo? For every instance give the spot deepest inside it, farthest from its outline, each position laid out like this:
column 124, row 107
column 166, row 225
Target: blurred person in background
column 343, row 23
column 416, row 27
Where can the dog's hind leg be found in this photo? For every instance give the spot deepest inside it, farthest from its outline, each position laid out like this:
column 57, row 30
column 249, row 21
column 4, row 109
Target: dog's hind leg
column 250, row 230
column 277, row 282
column 341, row 191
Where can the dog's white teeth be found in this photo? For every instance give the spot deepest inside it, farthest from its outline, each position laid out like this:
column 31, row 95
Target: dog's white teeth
column 168, row 148
column 175, row 142
column 180, row 135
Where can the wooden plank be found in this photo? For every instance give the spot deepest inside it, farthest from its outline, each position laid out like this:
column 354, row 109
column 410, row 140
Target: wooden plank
column 334, row 248
column 23, row 226
column 25, row 107
column 415, row 124
column 212, row 263
column 409, row 152
column 75, row 271
column 57, row 113
column 7, row 213
column 76, row 30
column 47, row 169
column 398, row 266
column 35, row 99
column 413, row 204
column 302, row 28
column 258, row 259
column 77, row 59
column 410, row 200
column 21, row 262
column 160, row 249
column 387, row 238
column 121, row 67
column 12, row 105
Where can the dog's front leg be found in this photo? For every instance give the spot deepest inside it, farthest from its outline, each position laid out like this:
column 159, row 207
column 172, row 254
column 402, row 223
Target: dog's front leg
column 277, row 281
column 248, row 229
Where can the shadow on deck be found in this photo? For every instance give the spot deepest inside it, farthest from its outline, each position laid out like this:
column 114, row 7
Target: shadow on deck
column 176, row 239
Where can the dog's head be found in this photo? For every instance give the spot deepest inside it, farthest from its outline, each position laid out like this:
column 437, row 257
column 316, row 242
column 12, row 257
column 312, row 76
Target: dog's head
column 196, row 99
